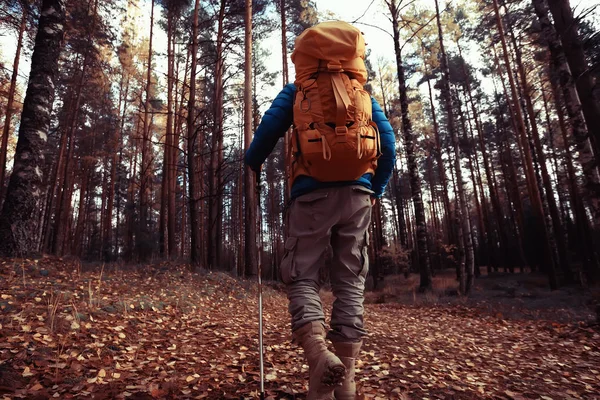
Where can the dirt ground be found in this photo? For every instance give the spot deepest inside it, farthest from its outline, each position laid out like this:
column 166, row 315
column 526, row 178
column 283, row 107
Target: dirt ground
column 161, row 332
column 521, row 296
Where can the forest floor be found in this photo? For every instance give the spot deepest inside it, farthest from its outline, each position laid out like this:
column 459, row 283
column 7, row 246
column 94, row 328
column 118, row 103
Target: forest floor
column 162, row 332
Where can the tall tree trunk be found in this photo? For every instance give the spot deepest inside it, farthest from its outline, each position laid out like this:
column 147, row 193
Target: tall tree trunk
column 493, row 258
column 394, row 187
column 558, row 242
column 107, row 252
column 585, row 236
column 567, row 28
column 536, row 199
column 557, row 247
column 400, row 207
column 440, row 164
column 176, row 154
column 130, row 204
column 63, row 207
column 251, row 250
column 144, row 247
column 17, row 225
column 482, row 226
column 9, row 103
column 286, row 80
column 465, row 243
column 172, row 148
column 425, row 283
column 192, row 137
column 166, row 186
column 561, row 73
column 215, row 209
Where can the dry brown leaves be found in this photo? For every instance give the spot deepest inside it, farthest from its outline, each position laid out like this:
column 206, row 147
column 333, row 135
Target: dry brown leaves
column 162, row 332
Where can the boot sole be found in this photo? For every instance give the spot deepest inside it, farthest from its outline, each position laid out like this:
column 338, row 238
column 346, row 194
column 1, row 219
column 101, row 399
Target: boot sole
column 333, row 376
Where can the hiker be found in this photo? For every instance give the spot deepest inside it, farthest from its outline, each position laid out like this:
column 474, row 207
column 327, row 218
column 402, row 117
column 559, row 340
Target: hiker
column 340, row 157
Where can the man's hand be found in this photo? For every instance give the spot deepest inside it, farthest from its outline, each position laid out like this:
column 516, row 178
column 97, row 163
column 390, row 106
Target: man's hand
column 373, row 200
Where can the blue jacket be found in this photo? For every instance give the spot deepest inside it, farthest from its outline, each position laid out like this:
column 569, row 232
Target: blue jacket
column 277, row 121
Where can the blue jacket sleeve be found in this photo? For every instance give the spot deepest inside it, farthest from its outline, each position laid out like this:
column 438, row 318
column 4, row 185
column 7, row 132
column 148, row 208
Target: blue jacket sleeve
column 273, row 126
column 385, row 164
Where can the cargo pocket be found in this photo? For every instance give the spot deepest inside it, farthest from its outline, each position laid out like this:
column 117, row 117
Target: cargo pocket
column 288, row 266
column 362, row 189
column 363, row 195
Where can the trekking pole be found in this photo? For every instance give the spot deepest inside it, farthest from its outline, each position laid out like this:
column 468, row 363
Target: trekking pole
column 260, row 303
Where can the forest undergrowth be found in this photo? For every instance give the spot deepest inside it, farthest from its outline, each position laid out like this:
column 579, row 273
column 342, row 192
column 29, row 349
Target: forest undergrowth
column 161, row 331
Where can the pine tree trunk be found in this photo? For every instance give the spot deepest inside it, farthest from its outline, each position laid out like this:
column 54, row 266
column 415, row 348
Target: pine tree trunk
column 175, row 171
column 63, row 207
column 440, row 164
column 192, row 139
column 584, row 232
column 250, row 217
column 9, row 103
column 465, row 243
column 107, row 242
column 567, row 28
column 530, row 173
column 561, row 73
column 551, row 213
column 215, row 209
column 425, row 283
column 172, row 148
column 558, row 244
column 286, row 80
column 493, row 257
column 17, row 225
column 400, row 207
column 130, row 203
column 166, row 186
column 513, row 196
column 482, row 227
column 143, row 239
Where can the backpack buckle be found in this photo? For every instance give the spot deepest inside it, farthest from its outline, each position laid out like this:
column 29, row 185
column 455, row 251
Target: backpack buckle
column 333, row 66
column 341, row 130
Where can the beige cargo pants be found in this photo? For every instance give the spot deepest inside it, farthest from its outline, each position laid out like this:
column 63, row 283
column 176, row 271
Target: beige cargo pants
column 338, row 219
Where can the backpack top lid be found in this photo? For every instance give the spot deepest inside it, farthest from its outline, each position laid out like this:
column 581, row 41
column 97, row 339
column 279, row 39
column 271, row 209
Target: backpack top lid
column 333, row 41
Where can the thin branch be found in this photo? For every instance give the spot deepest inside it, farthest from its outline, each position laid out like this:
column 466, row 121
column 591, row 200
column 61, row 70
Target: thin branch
column 417, row 31
column 377, row 27
column 363, row 14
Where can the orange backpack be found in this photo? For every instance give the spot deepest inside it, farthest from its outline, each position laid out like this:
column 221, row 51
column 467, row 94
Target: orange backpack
column 334, row 138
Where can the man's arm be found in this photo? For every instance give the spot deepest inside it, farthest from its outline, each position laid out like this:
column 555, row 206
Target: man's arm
column 273, row 125
column 385, row 164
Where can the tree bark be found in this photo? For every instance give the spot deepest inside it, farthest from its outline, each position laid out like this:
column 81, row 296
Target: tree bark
column 250, row 234
column 536, row 199
column 9, row 103
column 561, row 73
column 172, row 148
column 425, row 283
column 17, row 225
column 567, row 28
column 143, row 238
column 465, row 242
column 215, row 209
column 440, row 165
column 192, row 137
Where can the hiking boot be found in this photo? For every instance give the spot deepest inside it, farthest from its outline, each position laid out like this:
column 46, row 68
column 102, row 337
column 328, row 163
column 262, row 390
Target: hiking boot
column 325, row 369
column 347, row 352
